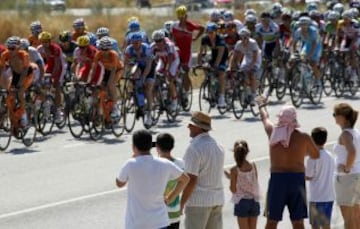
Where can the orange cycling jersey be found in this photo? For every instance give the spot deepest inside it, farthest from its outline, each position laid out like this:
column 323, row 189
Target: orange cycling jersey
column 21, row 62
column 109, row 59
column 34, row 41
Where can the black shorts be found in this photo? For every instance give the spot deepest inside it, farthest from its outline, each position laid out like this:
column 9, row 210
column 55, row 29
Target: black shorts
column 16, row 77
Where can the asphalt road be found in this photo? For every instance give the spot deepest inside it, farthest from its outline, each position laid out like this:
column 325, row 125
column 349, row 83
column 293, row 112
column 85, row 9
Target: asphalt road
column 61, row 182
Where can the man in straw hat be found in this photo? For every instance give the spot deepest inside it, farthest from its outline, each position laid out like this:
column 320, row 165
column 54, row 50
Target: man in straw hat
column 203, row 197
column 288, row 148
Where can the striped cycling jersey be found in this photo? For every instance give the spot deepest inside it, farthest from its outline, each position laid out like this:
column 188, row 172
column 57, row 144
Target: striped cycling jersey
column 268, row 35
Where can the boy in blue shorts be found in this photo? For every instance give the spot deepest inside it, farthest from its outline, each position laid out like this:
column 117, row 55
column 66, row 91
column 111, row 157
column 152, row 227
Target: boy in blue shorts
column 320, row 174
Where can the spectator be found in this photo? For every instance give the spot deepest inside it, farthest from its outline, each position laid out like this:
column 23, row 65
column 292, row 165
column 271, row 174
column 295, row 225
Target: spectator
column 347, row 150
column 320, row 173
column 288, row 148
column 164, row 146
column 245, row 187
column 147, row 177
column 204, row 162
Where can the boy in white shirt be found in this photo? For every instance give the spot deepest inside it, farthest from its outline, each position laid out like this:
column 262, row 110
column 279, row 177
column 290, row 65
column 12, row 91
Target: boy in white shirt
column 320, row 174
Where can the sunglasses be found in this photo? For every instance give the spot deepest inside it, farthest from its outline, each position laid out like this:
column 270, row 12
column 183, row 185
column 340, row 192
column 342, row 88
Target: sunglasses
column 11, row 48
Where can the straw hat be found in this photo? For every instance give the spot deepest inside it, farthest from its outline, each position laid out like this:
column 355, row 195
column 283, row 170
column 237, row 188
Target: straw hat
column 200, row 120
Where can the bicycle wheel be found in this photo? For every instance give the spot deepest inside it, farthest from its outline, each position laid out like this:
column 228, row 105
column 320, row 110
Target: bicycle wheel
column 205, row 98
column 118, row 124
column 187, row 98
column 30, row 131
column 327, row 81
column 46, row 116
column 5, row 130
column 281, row 84
column 129, row 106
column 237, row 107
column 265, row 82
column 296, row 88
column 76, row 120
column 97, row 127
column 339, row 83
column 316, row 94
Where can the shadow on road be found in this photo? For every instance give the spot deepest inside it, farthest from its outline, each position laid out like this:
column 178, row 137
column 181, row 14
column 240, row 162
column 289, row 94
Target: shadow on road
column 21, row 151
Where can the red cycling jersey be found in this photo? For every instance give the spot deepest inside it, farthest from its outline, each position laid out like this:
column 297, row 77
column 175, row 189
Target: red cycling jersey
column 183, row 39
column 53, row 55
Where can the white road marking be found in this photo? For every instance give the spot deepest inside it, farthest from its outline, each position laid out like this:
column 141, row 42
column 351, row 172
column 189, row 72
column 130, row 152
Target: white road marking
column 76, row 199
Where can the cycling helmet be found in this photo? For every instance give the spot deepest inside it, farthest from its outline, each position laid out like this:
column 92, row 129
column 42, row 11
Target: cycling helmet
column 181, row 11
column 244, row 32
column 249, row 11
column 339, row 7
column 215, row 15
column 347, row 14
column 83, row 41
column 251, row 18
column 314, row 14
column 105, row 43
column 134, row 26
column 168, row 25
column 79, row 23
column 354, row 4
column 65, row 36
column 312, row 6
column 355, row 12
column 295, row 16
column 24, row 43
column 333, row 15
column 304, row 20
column 211, row 26
column 158, row 35
column 102, row 31
column 45, row 36
column 36, row 27
column 13, row 42
column 228, row 15
column 276, row 7
column 136, row 37
column 133, row 18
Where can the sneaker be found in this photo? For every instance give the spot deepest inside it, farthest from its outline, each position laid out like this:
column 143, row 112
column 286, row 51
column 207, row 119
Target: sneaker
column 115, row 114
column 59, row 116
column 147, row 119
column 24, row 121
column 173, row 105
column 221, row 101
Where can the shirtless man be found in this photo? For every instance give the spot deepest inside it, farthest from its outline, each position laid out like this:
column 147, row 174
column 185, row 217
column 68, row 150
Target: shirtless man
column 288, row 148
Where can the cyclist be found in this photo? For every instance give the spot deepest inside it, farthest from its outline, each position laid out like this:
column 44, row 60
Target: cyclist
column 36, row 29
column 56, row 65
column 16, row 71
column 167, row 29
column 35, row 58
column 276, row 12
column 83, row 60
column 79, row 27
column 247, row 57
column 182, row 33
column 285, row 29
column 167, row 62
column 67, row 46
column 229, row 17
column 267, row 34
column 250, row 24
column 110, row 61
column 139, row 53
column 330, row 29
column 219, row 55
column 231, row 36
column 347, row 36
column 311, row 45
column 105, row 32
column 134, row 27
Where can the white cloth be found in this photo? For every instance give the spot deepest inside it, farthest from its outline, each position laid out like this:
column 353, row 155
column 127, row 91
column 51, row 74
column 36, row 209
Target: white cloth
column 248, row 52
column 321, row 170
column 204, row 158
column 342, row 154
column 146, row 178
